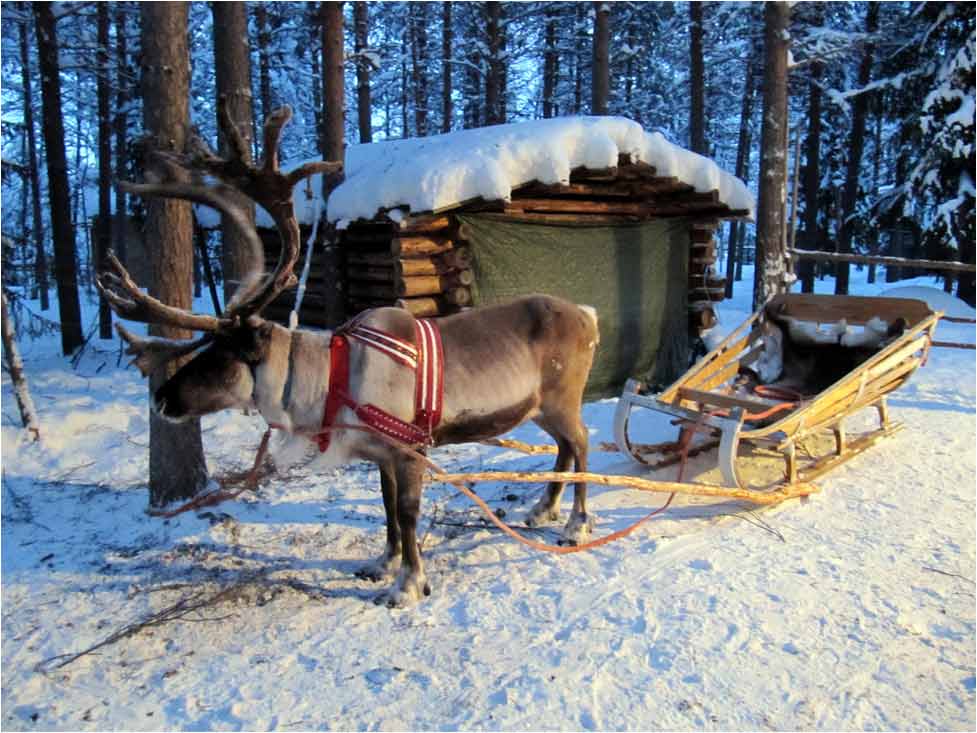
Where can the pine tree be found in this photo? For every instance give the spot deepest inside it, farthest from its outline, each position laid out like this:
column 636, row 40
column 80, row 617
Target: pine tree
column 59, row 194
column 770, row 271
column 176, row 461
column 232, row 70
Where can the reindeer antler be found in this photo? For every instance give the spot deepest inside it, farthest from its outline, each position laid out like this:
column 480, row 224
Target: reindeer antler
column 129, row 302
column 265, row 184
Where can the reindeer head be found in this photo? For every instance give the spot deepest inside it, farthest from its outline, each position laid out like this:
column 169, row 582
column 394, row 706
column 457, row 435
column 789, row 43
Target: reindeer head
column 233, row 345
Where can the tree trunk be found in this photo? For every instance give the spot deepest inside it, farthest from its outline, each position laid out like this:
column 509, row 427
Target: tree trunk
column 65, row 267
column 333, row 95
column 473, row 77
column 103, row 237
column 601, row 81
column 11, row 354
column 313, row 22
column 494, row 81
column 578, row 56
column 120, row 124
column 203, row 257
column 417, row 14
column 965, row 280
column 856, row 147
column 264, row 62
column 177, row 470
column 551, row 60
column 447, row 48
column 876, row 172
column 770, row 266
column 811, row 179
column 734, row 254
column 629, row 85
column 361, row 27
column 697, row 78
column 33, row 174
column 232, row 69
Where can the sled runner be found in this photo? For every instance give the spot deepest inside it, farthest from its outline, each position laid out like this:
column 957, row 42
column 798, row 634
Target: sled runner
column 798, row 367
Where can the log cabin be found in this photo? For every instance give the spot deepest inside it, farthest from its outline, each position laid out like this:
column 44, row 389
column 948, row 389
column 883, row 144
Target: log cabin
column 595, row 210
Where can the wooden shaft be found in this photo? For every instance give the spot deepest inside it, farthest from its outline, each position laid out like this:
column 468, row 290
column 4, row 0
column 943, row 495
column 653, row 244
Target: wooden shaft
column 633, row 482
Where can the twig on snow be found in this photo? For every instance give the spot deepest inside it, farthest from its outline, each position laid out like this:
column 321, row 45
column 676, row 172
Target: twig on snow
column 950, row 575
column 756, row 522
column 62, row 476
column 175, row 612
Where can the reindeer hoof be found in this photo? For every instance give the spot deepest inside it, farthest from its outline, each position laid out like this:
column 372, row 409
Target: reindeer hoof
column 578, row 528
column 383, row 567
column 541, row 513
column 405, row 592
column 376, row 571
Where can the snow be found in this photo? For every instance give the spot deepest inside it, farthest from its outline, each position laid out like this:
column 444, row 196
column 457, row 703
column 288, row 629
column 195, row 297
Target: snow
column 442, row 171
column 853, row 609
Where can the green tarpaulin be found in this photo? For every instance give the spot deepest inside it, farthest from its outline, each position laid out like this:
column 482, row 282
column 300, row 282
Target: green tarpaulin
column 636, row 276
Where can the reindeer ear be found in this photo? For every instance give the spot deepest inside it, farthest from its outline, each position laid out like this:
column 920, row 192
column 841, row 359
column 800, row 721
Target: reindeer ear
column 253, row 341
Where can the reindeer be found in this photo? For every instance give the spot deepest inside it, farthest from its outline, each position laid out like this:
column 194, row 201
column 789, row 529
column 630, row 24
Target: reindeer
column 527, row 359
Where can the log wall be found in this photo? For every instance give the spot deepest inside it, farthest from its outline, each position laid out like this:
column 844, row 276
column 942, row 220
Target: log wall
column 423, row 263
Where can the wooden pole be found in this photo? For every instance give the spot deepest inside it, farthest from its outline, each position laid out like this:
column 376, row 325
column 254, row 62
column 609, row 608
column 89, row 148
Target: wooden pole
column 633, row 482
column 878, row 260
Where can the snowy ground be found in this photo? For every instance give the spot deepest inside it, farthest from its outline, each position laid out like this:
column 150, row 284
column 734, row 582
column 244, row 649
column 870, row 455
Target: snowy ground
column 853, row 609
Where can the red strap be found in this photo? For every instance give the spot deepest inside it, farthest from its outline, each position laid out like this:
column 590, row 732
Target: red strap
column 338, row 393
column 429, row 385
column 428, row 392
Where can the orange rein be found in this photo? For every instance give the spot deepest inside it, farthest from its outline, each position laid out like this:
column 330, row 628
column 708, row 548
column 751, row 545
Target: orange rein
column 216, row 497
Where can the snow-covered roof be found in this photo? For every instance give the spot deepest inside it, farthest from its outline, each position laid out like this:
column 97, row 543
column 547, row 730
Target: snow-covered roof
column 443, row 171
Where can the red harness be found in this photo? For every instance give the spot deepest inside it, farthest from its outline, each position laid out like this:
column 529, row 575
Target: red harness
column 426, row 359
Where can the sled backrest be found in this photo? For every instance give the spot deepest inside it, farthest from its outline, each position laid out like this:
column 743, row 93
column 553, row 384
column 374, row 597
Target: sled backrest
column 854, row 309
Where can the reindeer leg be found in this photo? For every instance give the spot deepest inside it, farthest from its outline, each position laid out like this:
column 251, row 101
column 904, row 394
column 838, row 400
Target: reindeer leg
column 581, row 523
column 571, row 438
column 411, row 582
column 547, row 509
column 389, row 561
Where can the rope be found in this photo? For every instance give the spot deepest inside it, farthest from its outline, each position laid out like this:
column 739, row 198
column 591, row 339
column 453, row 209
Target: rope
column 557, row 549
column 216, row 497
column 293, row 317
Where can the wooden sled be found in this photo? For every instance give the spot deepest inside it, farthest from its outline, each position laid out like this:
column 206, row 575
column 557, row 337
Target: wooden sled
column 715, row 399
